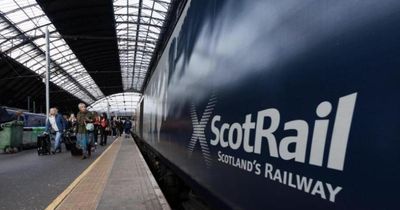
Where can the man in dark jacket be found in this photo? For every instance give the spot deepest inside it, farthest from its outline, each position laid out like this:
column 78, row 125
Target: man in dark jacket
column 55, row 122
column 127, row 127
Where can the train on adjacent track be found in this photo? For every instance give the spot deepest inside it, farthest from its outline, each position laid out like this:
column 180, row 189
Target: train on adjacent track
column 30, row 119
column 280, row 104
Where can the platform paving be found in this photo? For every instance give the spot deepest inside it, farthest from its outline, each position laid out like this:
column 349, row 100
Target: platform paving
column 120, row 179
column 29, row 181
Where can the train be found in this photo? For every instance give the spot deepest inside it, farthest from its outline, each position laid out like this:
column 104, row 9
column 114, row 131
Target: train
column 279, row 104
column 30, row 119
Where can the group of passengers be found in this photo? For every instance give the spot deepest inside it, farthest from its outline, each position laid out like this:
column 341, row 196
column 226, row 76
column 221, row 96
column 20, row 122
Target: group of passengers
column 86, row 126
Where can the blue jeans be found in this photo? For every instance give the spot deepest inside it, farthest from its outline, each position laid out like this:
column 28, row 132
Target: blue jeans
column 57, row 141
column 127, row 130
column 82, row 139
column 91, row 138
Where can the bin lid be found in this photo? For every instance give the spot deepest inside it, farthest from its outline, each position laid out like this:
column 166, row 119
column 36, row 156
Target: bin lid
column 19, row 123
column 7, row 124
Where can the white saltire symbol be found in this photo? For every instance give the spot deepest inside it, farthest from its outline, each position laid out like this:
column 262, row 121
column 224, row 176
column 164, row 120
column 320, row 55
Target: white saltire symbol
column 198, row 129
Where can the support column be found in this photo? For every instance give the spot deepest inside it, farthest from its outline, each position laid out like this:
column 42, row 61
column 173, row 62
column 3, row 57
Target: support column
column 47, row 71
column 29, row 104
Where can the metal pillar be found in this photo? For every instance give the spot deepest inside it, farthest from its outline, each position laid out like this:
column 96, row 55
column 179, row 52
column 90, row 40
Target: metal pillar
column 47, row 71
column 108, row 110
column 29, row 103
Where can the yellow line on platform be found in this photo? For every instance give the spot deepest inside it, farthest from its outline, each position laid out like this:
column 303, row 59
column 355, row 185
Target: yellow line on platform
column 57, row 201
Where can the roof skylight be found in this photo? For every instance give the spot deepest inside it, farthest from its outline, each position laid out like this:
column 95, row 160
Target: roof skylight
column 22, row 29
column 120, row 104
column 138, row 26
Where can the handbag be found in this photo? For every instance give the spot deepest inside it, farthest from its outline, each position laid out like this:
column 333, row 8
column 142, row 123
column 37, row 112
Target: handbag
column 90, row 126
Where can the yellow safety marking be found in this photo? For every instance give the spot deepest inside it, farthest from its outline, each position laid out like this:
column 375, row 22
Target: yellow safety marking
column 56, row 202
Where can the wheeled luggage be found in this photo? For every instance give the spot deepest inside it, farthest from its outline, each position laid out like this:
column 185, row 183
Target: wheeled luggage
column 43, row 144
column 75, row 151
column 69, row 141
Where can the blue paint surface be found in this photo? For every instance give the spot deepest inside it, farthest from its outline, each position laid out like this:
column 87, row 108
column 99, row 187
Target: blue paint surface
column 291, row 56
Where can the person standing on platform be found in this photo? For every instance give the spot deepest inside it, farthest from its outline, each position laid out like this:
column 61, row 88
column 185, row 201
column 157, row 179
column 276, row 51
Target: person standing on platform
column 120, row 126
column 19, row 116
column 103, row 129
column 73, row 121
column 66, row 122
column 127, row 127
column 117, row 133
column 84, row 118
column 113, row 127
column 96, row 127
column 90, row 127
column 55, row 124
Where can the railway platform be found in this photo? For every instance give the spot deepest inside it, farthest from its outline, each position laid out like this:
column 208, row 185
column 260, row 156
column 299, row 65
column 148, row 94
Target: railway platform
column 118, row 179
column 115, row 177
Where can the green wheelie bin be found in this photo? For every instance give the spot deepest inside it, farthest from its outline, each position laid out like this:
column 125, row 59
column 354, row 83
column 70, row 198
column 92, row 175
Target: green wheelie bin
column 18, row 132
column 11, row 136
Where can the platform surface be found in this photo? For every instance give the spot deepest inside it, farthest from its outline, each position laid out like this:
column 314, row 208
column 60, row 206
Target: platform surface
column 119, row 179
column 31, row 182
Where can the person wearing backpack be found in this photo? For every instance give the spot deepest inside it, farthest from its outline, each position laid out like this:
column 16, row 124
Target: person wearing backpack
column 103, row 129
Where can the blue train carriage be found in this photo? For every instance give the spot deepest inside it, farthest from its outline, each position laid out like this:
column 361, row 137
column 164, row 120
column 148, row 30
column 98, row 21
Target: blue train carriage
column 281, row 104
column 34, row 125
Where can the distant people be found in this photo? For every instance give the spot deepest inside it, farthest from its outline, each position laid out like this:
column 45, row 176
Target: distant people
column 67, row 122
column 55, row 124
column 127, row 127
column 84, row 117
column 96, row 123
column 120, row 126
column 117, row 133
column 19, row 116
column 104, row 127
column 113, row 126
column 90, row 127
column 72, row 119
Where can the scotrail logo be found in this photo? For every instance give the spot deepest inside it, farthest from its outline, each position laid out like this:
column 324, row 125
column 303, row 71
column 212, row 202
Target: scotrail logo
column 237, row 135
column 199, row 129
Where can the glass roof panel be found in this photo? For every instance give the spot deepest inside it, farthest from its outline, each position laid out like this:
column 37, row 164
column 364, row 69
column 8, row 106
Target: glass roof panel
column 23, row 40
column 120, row 104
column 133, row 43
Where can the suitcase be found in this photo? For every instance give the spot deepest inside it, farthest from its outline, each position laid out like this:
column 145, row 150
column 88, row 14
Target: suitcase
column 75, row 151
column 43, row 144
column 74, row 148
column 69, row 142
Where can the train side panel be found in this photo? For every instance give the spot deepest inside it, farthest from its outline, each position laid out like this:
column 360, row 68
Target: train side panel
column 282, row 104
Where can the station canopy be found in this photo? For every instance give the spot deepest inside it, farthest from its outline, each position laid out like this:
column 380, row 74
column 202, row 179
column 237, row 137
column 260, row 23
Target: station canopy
column 138, row 24
column 120, row 104
column 22, row 29
column 122, row 34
